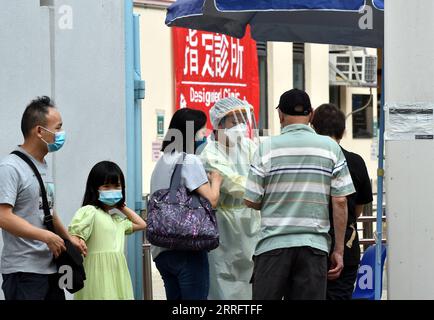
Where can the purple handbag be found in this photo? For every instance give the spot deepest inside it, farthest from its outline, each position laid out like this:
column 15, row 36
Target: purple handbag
column 181, row 220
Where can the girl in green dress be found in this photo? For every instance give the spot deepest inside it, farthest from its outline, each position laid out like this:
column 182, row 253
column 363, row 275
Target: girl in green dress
column 103, row 230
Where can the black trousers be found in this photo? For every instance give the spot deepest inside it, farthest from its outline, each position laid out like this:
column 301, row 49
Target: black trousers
column 32, row 286
column 342, row 288
column 298, row 273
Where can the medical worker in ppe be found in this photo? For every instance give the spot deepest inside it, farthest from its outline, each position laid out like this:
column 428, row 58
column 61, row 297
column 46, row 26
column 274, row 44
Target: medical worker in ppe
column 229, row 151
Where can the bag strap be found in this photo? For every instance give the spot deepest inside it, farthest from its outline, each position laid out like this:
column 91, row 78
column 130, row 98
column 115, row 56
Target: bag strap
column 175, row 181
column 48, row 218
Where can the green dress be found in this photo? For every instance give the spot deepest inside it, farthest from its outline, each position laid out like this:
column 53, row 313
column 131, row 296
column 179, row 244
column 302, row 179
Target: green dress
column 107, row 275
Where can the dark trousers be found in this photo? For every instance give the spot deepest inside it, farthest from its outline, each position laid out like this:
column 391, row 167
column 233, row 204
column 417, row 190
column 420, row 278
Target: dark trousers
column 185, row 274
column 343, row 287
column 298, row 273
column 31, row 286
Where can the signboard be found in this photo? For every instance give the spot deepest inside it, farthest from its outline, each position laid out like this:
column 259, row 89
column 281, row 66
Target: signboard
column 210, row 66
column 409, row 121
column 160, row 125
column 156, row 150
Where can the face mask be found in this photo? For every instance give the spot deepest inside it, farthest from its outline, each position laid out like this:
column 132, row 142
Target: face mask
column 110, row 197
column 236, row 131
column 200, row 143
column 59, row 141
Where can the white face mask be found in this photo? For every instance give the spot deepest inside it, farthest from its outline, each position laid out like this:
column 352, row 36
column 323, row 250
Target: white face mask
column 239, row 130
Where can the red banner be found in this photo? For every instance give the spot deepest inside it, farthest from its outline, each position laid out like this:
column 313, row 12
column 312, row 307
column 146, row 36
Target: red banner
column 211, row 66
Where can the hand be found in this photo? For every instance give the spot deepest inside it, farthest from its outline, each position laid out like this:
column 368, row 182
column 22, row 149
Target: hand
column 121, row 206
column 337, row 264
column 215, row 178
column 80, row 244
column 54, row 243
column 124, row 209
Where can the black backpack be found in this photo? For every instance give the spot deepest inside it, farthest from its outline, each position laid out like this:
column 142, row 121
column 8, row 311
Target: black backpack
column 71, row 258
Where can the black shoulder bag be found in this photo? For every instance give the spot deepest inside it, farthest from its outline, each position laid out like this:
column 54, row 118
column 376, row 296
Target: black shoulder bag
column 71, row 257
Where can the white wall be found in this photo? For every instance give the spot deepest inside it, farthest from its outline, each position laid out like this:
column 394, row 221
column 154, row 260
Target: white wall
column 89, row 81
column 24, row 59
column 409, row 56
column 280, row 76
column 279, row 79
column 158, row 73
column 317, row 73
column 90, row 91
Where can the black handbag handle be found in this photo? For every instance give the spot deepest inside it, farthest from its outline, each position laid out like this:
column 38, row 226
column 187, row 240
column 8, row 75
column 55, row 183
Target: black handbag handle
column 48, row 217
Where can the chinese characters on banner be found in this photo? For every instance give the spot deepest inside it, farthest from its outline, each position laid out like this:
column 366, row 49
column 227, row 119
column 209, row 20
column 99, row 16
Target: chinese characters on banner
column 211, row 66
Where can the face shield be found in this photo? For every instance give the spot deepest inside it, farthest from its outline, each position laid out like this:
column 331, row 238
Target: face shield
column 234, row 120
column 239, row 123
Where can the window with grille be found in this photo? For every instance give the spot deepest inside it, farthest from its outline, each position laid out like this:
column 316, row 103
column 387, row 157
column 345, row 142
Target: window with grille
column 362, row 120
column 298, row 66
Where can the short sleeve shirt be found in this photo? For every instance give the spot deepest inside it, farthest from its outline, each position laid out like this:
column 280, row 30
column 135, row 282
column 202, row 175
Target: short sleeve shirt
column 293, row 175
column 20, row 189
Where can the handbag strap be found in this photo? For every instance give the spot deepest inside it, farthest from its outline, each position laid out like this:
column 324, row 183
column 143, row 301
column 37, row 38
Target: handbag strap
column 175, row 181
column 48, row 218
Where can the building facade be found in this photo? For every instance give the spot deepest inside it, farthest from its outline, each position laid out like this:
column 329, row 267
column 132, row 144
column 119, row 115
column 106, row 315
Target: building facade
column 282, row 66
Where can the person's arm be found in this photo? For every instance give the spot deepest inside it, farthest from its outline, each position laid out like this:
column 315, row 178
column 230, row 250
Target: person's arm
column 359, row 209
column 341, row 186
column 255, row 182
column 80, row 244
column 211, row 190
column 137, row 221
column 60, row 230
column 233, row 183
column 340, row 216
column 81, row 226
column 364, row 188
column 19, row 227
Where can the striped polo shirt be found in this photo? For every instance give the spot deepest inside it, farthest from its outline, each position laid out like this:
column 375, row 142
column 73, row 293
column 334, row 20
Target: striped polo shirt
column 293, row 175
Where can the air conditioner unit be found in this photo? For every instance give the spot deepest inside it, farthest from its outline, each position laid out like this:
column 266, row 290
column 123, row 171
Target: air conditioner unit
column 341, row 48
column 342, row 72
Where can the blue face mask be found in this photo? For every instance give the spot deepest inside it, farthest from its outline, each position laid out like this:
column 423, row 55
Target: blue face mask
column 59, row 141
column 200, row 143
column 110, row 197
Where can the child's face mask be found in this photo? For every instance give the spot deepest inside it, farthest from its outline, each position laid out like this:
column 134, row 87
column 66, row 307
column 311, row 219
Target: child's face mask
column 110, row 197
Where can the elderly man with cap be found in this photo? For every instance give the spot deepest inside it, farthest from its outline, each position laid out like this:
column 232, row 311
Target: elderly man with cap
column 292, row 179
column 230, row 151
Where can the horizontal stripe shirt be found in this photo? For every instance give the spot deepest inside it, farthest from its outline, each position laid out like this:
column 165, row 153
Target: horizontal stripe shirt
column 293, row 176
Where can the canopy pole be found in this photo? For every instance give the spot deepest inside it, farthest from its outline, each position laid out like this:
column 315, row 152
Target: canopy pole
column 380, row 175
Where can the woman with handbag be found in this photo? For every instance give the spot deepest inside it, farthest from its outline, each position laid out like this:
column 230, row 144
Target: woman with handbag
column 185, row 272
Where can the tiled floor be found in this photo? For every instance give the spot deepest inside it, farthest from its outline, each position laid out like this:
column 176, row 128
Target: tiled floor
column 157, row 285
column 159, row 293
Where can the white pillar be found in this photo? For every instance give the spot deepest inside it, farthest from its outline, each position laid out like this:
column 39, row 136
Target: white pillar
column 409, row 70
column 317, row 73
column 279, row 79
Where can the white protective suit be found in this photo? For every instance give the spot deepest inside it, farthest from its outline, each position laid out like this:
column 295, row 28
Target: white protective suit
column 231, row 264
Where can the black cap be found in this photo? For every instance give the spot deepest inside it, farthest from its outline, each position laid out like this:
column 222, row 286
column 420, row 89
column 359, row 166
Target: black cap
column 295, row 102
